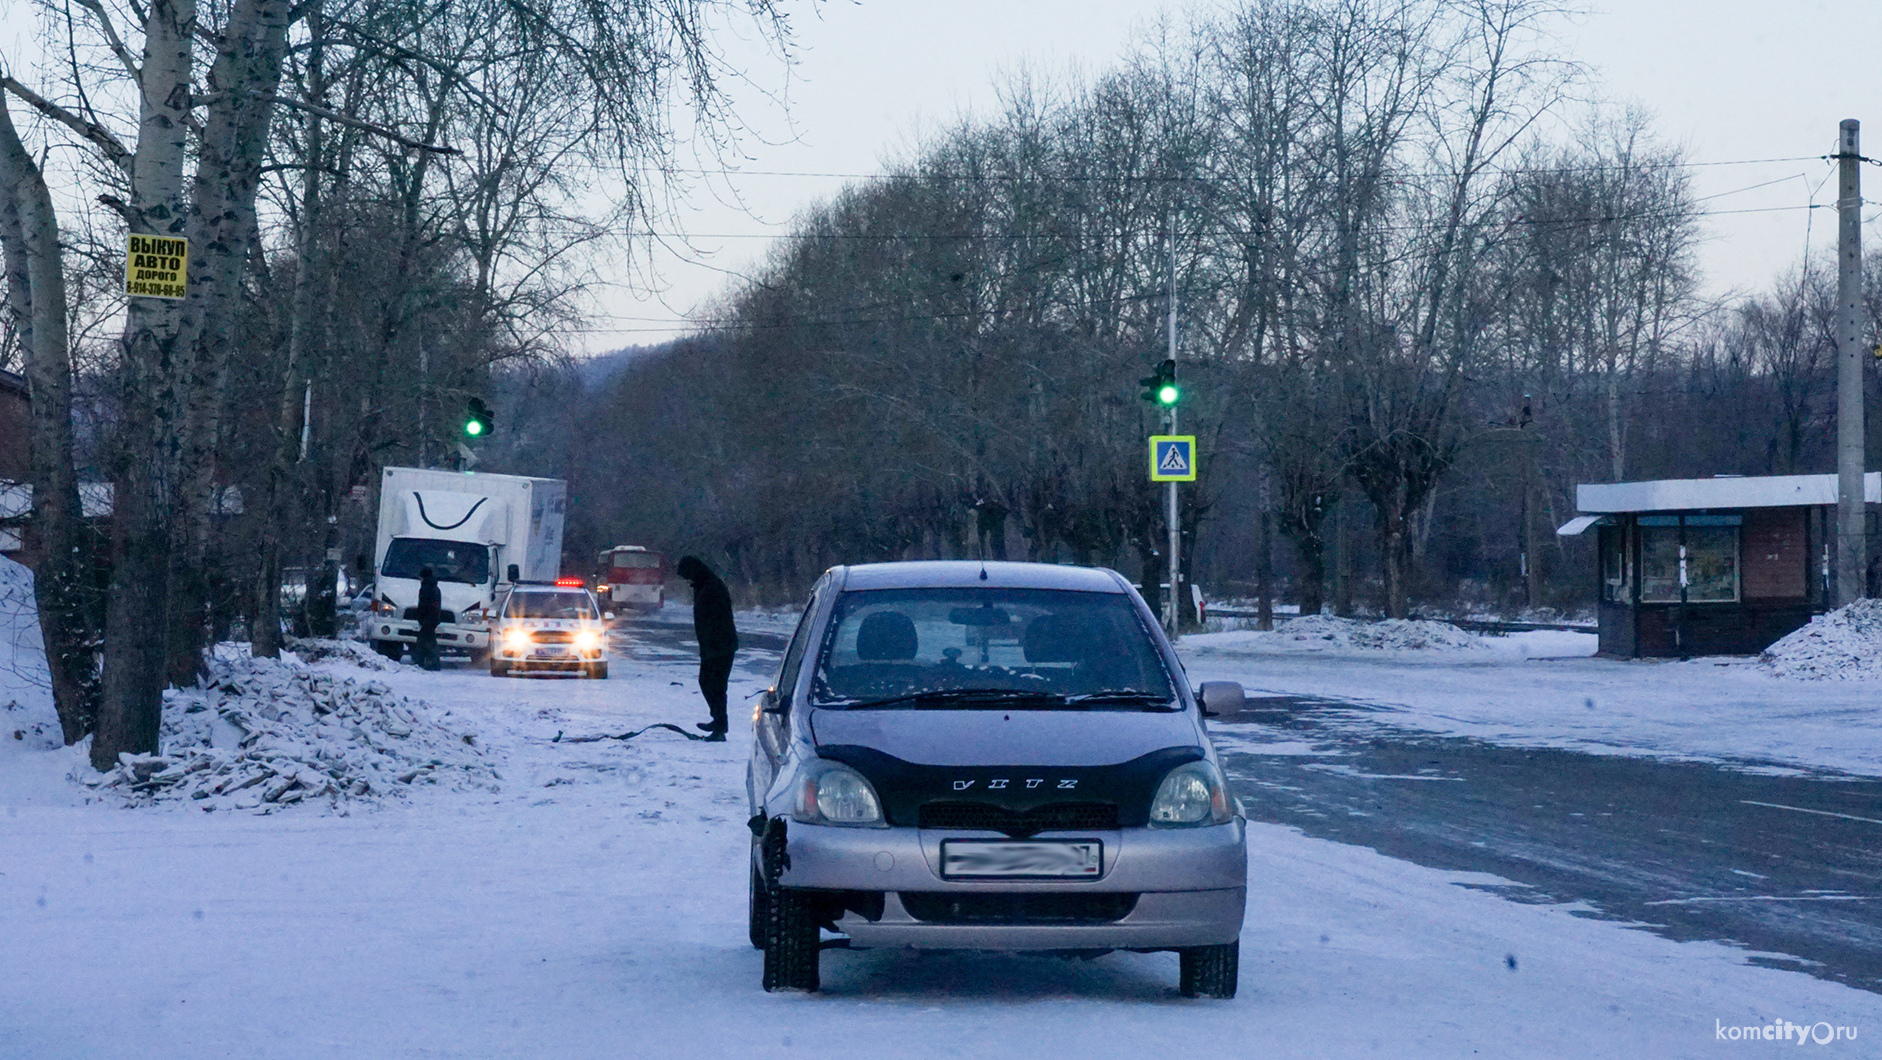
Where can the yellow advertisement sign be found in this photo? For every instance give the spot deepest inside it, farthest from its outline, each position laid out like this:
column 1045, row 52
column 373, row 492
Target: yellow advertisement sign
column 156, row 266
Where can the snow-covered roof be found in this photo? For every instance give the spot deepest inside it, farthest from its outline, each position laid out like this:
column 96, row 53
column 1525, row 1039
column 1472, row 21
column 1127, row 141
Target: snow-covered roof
column 1687, row 494
column 16, row 499
column 1578, row 524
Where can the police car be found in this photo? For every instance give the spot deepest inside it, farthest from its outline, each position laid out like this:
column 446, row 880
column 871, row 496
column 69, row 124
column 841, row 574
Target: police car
column 553, row 627
column 998, row 756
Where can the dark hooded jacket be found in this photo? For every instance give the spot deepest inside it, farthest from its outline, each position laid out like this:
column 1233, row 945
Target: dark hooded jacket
column 712, row 609
column 430, row 608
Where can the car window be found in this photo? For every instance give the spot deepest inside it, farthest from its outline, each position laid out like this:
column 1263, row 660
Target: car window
column 794, row 653
column 903, row 642
column 551, row 605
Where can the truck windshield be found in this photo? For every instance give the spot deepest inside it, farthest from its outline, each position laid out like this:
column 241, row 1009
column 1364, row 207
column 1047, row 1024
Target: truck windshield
column 998, row 648
column 452, row 561
column 551, row 605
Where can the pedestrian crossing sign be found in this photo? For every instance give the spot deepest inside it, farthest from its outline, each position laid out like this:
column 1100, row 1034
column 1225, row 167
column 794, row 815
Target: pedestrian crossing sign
column 1173, row 458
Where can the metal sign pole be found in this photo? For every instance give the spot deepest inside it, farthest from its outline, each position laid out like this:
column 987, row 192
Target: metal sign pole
column 1170, row 607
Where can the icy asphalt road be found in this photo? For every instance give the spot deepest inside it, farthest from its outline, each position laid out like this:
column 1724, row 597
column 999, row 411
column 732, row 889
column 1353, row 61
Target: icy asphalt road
column 1785, row 862
column 594, row 908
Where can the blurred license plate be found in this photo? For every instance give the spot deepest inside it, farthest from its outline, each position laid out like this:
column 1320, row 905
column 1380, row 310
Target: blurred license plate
column 977, row 857
column 553, row 652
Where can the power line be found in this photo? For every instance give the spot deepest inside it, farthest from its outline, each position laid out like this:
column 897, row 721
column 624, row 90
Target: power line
column 928, row 174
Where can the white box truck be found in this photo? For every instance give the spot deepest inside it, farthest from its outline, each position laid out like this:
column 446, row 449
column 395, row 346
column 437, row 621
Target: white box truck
column 470, row 529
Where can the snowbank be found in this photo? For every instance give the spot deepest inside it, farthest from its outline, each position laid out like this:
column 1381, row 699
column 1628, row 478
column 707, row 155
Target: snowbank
column 263, row 733
column 1844, row 645
column 27, row 720
column 359, row 653
column 1329, row 632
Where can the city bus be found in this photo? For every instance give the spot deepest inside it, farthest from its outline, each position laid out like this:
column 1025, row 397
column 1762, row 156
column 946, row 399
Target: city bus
column 631, row 576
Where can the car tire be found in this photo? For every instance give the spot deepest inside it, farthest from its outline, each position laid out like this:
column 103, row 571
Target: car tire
column 391, row 649
column 755, row 909
column 1210, row 971
column 599, row 671
column 793, row 943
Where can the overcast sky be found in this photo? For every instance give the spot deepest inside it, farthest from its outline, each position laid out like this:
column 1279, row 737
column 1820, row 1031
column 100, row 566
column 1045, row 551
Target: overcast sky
column 1729, row 79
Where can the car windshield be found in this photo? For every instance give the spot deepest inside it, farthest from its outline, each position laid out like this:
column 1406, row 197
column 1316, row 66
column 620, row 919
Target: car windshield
column 1007, row 648
column 551, row 605
column 451, row 561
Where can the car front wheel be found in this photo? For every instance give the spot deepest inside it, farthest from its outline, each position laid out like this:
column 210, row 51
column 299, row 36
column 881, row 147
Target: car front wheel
column 1210, row 971
column 755, row 910
column 792, row 943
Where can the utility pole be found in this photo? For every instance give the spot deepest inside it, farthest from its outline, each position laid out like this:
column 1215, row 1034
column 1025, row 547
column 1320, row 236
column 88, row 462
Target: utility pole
column 1852, row 560
column 1171, row 608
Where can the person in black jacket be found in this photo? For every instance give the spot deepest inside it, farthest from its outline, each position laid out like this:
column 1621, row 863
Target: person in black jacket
column 718, row 638
column 430, row 611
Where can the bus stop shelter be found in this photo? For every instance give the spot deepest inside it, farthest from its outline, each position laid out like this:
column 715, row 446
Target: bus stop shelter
column 1712, row 566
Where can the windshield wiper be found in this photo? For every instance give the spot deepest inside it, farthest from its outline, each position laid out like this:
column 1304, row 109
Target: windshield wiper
column 965, row 697
column 1122, row 696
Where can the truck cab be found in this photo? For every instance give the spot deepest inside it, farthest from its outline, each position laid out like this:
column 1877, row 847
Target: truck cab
column 467, row 585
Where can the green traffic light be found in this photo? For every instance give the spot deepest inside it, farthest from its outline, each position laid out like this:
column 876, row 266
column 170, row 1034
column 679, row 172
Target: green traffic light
column 1168, row 393
column 474, row 428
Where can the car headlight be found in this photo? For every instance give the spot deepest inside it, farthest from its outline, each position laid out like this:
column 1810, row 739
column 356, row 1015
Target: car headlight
column 587, row 640
column 515, row 637
column 1192, row 793
column 832, row 793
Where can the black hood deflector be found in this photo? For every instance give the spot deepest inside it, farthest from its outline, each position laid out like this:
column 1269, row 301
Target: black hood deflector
column 904, row 787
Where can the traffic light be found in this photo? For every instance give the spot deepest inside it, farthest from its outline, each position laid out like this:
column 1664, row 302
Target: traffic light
column 477, row 419
column 1161, row 389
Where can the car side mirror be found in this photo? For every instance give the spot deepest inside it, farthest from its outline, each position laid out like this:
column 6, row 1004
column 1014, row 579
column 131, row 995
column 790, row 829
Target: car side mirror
column 515, row 572
column 609, row 615
column 1221, row 697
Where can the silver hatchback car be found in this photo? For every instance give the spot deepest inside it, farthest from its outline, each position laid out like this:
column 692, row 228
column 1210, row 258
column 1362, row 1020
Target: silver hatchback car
column 997, row 756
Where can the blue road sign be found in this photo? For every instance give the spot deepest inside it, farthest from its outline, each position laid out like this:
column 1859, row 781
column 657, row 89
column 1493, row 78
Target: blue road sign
column 1173, row 458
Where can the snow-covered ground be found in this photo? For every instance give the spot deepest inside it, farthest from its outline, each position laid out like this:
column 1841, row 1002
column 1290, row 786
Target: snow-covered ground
column 593, row 906
column 1544, row 689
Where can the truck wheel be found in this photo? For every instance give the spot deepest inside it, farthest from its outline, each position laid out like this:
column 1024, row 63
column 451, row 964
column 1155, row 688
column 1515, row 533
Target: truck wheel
column 1210, row 971
column 391, row 649
column 755, row 909
column 792, row 943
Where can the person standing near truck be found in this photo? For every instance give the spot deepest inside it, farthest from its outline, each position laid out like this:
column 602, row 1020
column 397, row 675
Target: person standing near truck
column 430, row 612
column 717, row 636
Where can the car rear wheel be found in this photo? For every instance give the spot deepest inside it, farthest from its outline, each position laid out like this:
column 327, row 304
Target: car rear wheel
column 1210, row 971
column 792, row 943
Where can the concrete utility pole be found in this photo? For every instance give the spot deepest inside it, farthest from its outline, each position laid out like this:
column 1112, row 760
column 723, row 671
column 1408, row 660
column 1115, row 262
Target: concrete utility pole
column 1852, row 559
column 1172, row 608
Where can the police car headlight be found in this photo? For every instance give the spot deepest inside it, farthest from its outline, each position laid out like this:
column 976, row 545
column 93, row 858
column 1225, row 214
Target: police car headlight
column 588, row 640
column 1192, row 793
column 515, row 637
column 832, row 793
